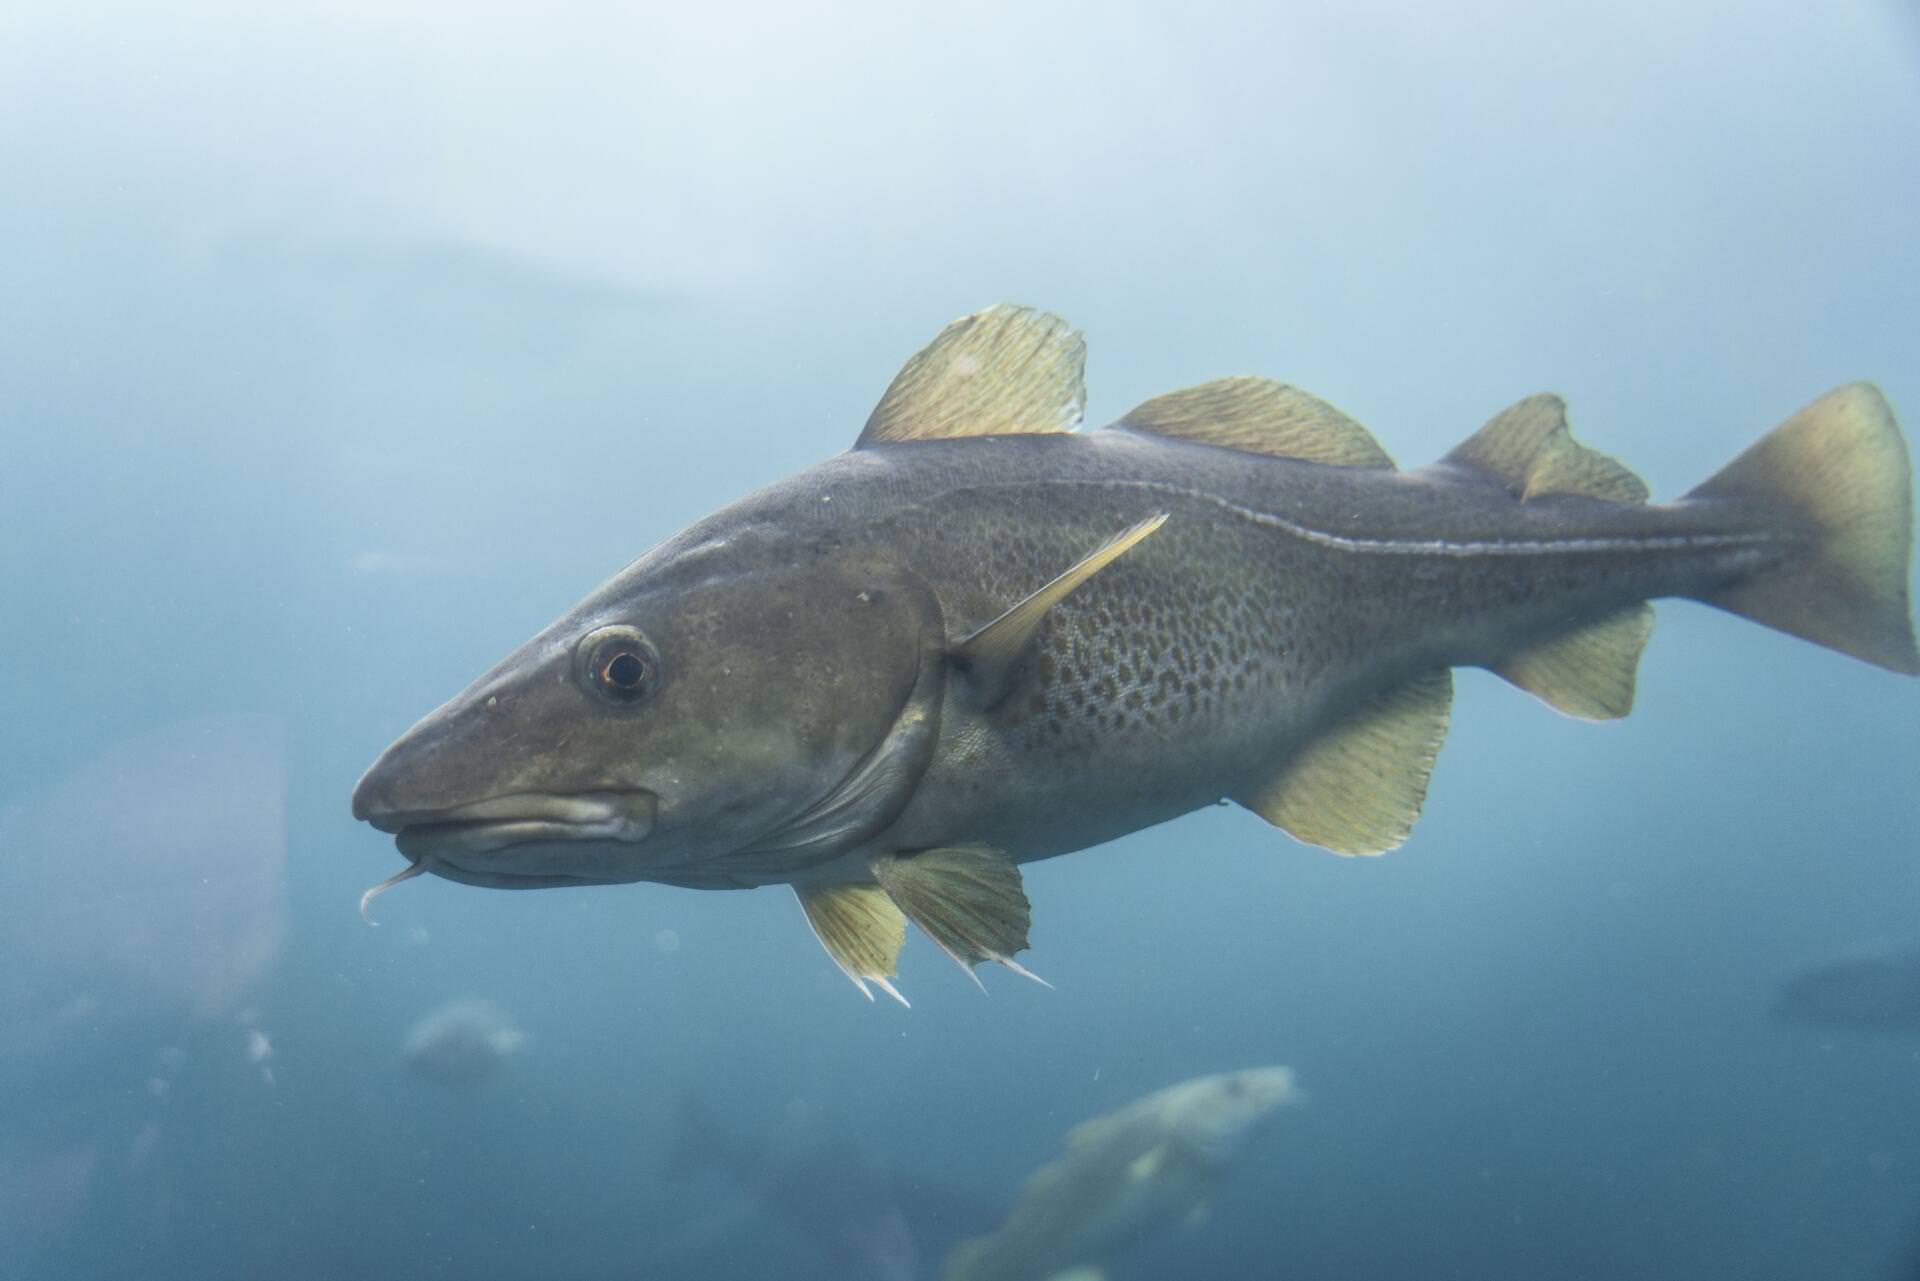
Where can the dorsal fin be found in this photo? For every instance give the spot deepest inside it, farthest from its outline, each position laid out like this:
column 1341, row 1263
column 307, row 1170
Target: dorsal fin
column 1529, row 448
column 1358, row 787
column 1003, row 371
column 991, row 655
column 1260, row 416
column 1587, row 673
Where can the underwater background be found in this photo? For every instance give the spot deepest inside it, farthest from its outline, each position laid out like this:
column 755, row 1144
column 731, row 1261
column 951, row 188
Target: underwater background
column 345, row 345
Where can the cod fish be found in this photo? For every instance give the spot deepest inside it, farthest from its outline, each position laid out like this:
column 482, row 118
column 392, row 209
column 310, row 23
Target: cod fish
column 980, row 638
column 1878, row 991
column 1127, row 1175
column 462, row 1042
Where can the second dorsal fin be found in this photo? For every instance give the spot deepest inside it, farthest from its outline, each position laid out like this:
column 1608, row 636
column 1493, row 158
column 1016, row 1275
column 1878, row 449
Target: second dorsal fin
column 1260, row 416
column 1003, row 371
column 1528, row 447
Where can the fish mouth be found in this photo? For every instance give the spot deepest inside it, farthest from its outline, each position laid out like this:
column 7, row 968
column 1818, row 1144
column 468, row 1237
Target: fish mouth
column 523, row 818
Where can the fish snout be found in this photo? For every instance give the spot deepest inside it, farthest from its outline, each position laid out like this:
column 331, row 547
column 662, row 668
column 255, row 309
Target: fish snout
column 372, row 799
column 382, row 795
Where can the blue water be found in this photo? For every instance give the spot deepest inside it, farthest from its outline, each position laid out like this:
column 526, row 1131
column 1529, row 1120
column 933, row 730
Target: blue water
column 343, row 346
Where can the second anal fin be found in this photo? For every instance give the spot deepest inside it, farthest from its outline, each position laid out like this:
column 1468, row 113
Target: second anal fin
column 968, row 899
column 1587, row 673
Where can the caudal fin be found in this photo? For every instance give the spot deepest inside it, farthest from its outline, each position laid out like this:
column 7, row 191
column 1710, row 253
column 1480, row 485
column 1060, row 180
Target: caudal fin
column 1840, row 466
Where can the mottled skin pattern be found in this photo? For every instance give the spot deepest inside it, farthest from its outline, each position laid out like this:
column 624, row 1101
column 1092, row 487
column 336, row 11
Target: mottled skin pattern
column 1194, row 664
column 810, row 714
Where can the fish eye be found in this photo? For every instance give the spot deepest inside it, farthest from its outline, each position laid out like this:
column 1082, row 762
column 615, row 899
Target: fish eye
column 618, row 664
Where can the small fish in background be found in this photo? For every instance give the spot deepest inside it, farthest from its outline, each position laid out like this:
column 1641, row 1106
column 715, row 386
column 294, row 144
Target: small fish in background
column 863, row 1222
column 981, row 638
column 462, row 1042
column 145, row 895
column 1127, row 1175
column 143, row 907
column 1877, row 992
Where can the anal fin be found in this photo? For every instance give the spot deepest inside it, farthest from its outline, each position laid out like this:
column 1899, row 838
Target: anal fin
column 1358, row 788
column 968, row 899
column 1588, row 673
column 860, row 928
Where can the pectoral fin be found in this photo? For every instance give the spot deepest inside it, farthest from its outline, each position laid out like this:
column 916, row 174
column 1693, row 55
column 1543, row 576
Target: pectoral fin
column 1358, row 788
column 860, row 928
column 968, row 900
column 991, row 655
column 1147, row 1164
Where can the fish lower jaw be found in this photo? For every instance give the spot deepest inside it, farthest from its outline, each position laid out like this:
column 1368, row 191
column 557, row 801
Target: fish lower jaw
column 438, row 841
column 481, row 827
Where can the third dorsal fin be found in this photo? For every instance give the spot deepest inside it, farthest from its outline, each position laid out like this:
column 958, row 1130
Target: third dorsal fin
column 1529, row 448
column 1263, row 417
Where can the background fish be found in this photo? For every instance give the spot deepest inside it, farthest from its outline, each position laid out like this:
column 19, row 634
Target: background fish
column 1873, row 990
column 462, row 1042
column 862, row 1222
column 1127, row 1175
column 143, row 905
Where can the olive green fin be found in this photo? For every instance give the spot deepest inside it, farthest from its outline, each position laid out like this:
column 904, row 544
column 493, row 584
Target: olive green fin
column 1003, row 371
column 1588, row 673
column 860, row 928
column 990, row 657
column 968, row 899
column 1529, row 448
column 1836, row 471
column 1357, row 789
column 1149, row 1163
column 1260, row 416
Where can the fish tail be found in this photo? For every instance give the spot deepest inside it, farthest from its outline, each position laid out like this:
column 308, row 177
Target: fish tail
column 1839, row 469
column 965, row 1261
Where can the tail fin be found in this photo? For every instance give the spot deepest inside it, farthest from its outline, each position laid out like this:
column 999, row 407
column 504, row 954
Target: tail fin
column 963, row 1261
column 1841, row 466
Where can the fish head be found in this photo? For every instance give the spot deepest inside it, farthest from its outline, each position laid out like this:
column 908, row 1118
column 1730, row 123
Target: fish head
column 717, row 719
column 1215, row 1116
